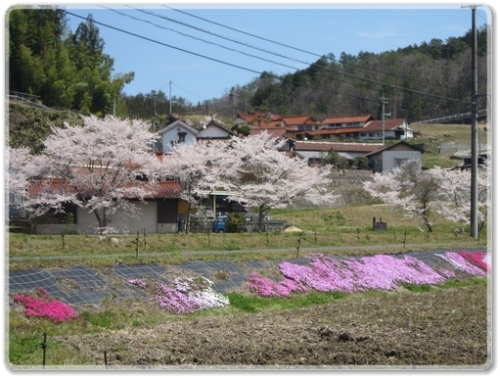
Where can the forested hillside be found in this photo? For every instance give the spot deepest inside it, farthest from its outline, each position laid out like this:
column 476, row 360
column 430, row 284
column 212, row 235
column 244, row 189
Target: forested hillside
column 69, row 70
column 419, row 82
column 64, row 69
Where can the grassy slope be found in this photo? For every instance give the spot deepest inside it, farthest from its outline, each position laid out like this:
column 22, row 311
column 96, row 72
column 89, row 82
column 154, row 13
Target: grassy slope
column 435, row 135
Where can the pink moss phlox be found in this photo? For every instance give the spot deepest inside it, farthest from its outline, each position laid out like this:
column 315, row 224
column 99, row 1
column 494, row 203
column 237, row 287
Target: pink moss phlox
column 268, row 288
column 476, row 258
column 138, row 282
column 380, row 272
column 459, row 263
column 446, row 273
column 173, row 300
column 39, row 304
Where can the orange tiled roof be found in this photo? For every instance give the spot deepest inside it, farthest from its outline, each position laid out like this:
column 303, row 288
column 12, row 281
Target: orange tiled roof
column 346, row 147
column 300, row 120
column 162, row 189
column 354, row 119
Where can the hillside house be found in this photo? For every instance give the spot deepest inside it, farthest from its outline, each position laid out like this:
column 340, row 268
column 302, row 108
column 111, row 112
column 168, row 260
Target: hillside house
column 343, row 122
column 386, row 158
column 259, row 119
column 301, row 123
column 372, row 130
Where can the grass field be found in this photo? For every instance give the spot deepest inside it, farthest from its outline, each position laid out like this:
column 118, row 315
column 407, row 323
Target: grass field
column 324, row 229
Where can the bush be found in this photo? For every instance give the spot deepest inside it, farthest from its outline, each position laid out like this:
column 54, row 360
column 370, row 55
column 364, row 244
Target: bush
column 234, row 222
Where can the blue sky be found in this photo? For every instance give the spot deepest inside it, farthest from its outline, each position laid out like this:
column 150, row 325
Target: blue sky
column 159, row 32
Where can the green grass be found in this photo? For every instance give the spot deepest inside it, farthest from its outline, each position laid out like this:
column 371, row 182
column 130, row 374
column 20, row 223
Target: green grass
column 329, row 230
column 435, row 135
column 417, row 288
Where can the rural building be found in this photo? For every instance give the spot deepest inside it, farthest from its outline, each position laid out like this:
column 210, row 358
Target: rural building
column 316, row 151
column 215, row 130
column 159, row 213
column 258, row 119
column 177, row 132
column 343, row 122
column 386, row 158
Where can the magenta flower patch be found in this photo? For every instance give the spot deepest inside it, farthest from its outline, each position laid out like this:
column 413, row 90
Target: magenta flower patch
column 39, row 304
column 477, row 259
column 380, row 272
column 461, row 264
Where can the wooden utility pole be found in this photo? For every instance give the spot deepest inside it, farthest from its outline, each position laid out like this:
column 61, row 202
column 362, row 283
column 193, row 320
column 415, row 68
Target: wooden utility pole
column 474, row 134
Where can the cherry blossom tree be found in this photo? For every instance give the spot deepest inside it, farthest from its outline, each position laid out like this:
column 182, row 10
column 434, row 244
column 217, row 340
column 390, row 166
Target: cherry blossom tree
column 407, row 188
column 99, row 167
column 198, row 167
column 454, row 194
column 445, row 191
column 259, row 174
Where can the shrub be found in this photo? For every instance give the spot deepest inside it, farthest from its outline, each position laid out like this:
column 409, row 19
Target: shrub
column 234, row 222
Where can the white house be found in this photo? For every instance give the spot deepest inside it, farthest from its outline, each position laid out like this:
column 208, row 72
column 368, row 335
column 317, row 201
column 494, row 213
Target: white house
column 215, row 130
column 385, row 158
column 177, row 132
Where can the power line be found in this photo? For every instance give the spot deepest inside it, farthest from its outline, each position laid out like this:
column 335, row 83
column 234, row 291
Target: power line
column 167, row 45
column 219, row 36
column 299, row 61
column 258, row 72
column 243, row 32
column 281, row 44
column 200, row 39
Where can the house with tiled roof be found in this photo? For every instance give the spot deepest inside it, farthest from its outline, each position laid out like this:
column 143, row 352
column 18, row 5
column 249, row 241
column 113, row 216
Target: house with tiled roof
column 349, row 121
column 315, row 151
column 373, row 130
column 301, row 123
column 258, row 119
column 158, row 214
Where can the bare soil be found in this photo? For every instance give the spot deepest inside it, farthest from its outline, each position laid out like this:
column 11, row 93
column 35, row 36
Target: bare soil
column 442, row 328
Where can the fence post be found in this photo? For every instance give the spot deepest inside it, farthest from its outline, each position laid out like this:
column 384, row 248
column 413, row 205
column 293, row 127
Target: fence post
column 298, row 245
column 357, row 230
column 137, row 245
column 267, row 239
column 208, row 237
column 62, row 238
column 404, row 240
column 145, row 238
column 105, row 359
column 44, row 347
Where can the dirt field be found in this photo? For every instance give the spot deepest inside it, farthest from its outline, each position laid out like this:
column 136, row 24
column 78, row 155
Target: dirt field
column 443, row 327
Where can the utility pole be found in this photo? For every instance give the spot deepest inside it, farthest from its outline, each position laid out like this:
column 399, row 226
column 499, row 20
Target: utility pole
column 474, row 134
column 384, row 101
column 170, row 97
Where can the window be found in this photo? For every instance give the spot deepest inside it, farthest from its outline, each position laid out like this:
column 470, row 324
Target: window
column 182, row 137
column 399, row 161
